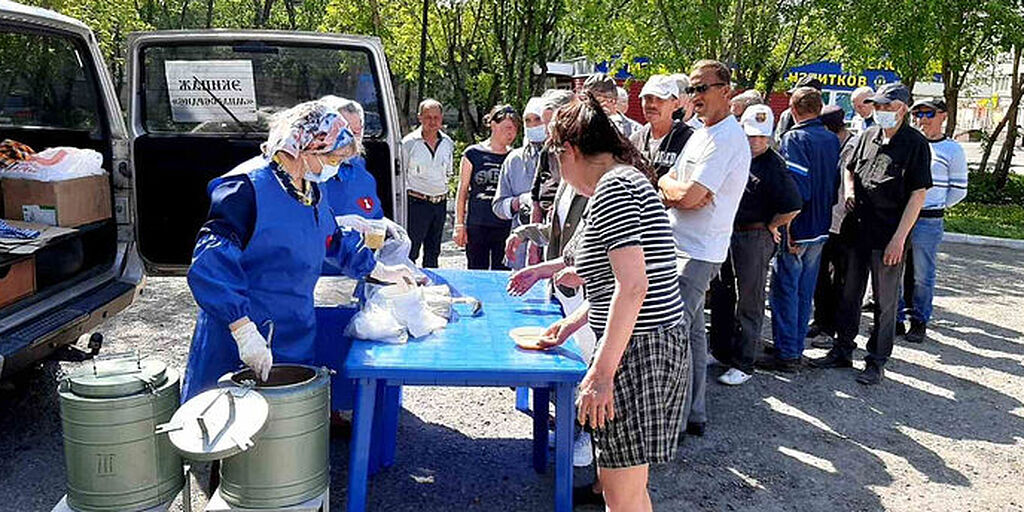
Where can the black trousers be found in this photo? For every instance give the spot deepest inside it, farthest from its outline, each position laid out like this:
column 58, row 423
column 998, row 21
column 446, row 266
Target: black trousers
column 831, row 276
column 722, row 303
column 885, row 284
column 426, row 225
column 485, row 247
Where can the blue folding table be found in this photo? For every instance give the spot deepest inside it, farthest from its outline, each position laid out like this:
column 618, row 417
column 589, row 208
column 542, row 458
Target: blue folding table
column 471, row 351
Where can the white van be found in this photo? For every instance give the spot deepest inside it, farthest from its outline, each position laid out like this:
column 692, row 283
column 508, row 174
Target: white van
column 178, row 136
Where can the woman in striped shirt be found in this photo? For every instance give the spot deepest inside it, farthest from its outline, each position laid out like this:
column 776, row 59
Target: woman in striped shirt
column 633, row 394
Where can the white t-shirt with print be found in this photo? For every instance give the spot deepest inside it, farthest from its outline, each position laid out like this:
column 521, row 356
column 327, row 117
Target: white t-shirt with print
column 717, row 157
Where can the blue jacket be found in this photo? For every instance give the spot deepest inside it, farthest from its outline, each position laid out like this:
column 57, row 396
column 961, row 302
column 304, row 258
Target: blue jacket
column 812, row 157
column 353, row 191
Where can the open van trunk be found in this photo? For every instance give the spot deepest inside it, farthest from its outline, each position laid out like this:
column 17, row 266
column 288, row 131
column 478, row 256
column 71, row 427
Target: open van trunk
column 55, row 92
column 201, row 103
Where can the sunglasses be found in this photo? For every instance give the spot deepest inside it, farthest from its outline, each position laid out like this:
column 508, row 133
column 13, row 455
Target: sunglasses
column 504, row 113
column 701, row 89
column 924, row 113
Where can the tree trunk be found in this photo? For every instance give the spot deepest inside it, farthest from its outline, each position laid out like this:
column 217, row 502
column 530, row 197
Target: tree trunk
column 1003, row 163
column 951, row 93
column 1016, row 90
column 209, row 14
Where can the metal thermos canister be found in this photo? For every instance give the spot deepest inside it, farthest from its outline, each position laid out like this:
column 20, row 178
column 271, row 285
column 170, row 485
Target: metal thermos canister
column 115, row 460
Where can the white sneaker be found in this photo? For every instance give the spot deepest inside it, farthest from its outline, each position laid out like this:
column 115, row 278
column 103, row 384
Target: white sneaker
column 734, row 377
column 582, row 453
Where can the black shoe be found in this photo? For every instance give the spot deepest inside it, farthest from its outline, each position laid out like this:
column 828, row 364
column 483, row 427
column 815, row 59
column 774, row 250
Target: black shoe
column 774, row 364
column 769, row 349
column 871, row 375
column 901, row 329
column 585, row 495
column 917, row 332
column 696, row 428
column 813, row 331
column 823, row 342
column 831, row 360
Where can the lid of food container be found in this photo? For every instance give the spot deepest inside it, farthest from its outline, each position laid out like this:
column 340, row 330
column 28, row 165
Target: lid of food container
column 218, row 423
column 118, row 377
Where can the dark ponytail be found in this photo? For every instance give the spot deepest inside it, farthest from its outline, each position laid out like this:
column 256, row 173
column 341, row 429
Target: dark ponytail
column 585, row 125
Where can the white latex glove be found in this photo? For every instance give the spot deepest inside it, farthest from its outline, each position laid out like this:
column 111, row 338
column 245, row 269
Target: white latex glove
column 398, row 274
column 253, row 349
column 354, row 222
column 395, row 231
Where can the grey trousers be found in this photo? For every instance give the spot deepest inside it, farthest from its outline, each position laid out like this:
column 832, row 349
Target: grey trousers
column 694, row 278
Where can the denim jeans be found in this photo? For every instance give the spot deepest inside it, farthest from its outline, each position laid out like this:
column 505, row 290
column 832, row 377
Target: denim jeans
column 924, row 246
column 794, row 277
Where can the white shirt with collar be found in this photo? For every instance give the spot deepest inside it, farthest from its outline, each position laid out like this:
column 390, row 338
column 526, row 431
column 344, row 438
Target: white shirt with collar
column 427, row 170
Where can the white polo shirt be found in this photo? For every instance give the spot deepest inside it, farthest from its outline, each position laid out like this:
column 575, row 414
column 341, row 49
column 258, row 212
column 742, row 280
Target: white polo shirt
column 427, row 171
column 717, row 157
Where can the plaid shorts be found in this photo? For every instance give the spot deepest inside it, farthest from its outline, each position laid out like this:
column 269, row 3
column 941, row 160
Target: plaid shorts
column 650, row 393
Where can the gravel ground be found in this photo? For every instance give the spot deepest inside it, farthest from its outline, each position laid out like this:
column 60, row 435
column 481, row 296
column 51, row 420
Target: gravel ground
column 944, row 432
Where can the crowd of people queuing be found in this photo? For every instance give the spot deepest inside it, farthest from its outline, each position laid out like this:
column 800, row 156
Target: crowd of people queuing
column 635, row 225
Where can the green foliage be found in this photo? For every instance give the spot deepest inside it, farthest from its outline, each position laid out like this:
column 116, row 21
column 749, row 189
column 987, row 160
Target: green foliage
column 1003, row 221
column 982, row 188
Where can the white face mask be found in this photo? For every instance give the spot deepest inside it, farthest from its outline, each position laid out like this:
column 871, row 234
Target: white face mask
column 886, row 119
column 537, row 134
column 326, row 172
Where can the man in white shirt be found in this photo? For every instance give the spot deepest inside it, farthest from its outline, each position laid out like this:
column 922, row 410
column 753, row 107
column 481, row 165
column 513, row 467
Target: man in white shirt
column 949, row 187
column 703, row 192
column 623, row 122
column 865, row 112
column 427, row 155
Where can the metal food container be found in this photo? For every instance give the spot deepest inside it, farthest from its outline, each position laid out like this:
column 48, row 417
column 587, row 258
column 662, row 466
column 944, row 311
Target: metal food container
column 115, row 460
column 289, row 463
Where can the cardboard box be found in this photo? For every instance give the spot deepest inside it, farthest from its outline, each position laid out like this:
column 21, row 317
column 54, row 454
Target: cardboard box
column 17, row 280
column 70, row 203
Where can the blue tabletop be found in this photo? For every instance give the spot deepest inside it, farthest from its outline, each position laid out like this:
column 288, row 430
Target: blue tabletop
column 475, row 347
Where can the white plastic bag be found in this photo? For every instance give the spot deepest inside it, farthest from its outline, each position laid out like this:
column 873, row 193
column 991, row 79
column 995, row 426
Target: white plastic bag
column 57, row 164
column 410, row 309
column 375, row 322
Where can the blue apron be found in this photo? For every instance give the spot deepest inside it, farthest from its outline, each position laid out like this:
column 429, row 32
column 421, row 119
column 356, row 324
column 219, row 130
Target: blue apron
column 282, row 264
column 353, row 191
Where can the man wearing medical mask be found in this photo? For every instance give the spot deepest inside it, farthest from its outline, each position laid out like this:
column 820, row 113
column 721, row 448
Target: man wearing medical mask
column 885, row 185
column 512, row 200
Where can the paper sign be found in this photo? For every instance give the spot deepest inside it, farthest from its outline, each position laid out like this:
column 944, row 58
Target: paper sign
column 195, row 86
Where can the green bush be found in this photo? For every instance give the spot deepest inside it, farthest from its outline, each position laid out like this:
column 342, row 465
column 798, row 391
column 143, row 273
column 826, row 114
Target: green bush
column 981, row 188
column 1003, row 221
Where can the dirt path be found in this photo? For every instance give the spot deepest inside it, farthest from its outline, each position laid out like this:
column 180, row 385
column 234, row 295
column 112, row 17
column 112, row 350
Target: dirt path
column 944, row 432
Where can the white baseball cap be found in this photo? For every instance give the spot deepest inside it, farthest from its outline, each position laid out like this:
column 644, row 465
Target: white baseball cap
column 660, row 86
column 758, row 121
column 535, row 106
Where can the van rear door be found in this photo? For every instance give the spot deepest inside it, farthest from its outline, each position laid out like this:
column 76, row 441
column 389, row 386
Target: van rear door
column 200, row 105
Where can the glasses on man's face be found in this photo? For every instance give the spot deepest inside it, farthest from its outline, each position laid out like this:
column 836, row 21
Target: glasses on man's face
column 693, row 90
column 924, row 114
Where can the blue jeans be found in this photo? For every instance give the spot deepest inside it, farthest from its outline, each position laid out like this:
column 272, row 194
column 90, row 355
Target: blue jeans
column 794, row 277
column 924, row 246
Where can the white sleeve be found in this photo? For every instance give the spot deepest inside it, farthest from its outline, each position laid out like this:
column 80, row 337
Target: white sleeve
column 957, row 177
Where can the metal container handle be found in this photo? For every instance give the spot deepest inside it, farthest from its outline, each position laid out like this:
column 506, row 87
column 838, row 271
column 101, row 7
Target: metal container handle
column 201, row 420
column 127, row 355
column 269, row 325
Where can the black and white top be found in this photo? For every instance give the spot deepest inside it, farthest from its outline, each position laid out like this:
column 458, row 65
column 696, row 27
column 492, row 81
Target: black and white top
column 625, row 211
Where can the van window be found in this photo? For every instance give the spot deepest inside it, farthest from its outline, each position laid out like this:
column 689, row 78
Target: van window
column 236, row 89
column 45, row 81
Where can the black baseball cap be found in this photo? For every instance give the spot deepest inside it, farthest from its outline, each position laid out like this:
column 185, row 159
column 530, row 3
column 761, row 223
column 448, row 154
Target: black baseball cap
column 889, row 93
column 935, row 104
column 832, row 116
column 806, row 81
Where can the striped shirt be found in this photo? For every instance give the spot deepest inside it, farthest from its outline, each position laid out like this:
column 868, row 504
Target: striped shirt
column 949, row 175
column 625, row 211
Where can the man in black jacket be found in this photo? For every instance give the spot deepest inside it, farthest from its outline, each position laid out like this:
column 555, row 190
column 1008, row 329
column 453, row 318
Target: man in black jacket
column 662, row 139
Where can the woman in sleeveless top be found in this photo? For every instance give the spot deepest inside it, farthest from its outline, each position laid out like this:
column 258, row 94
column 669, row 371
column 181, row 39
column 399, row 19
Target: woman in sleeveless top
column 477, row 228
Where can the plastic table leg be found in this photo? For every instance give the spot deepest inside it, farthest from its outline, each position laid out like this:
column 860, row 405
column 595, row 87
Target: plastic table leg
column 565, row 414
column 392, row 410
column 541, row 398
column 359, row 449
column 523, row 399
